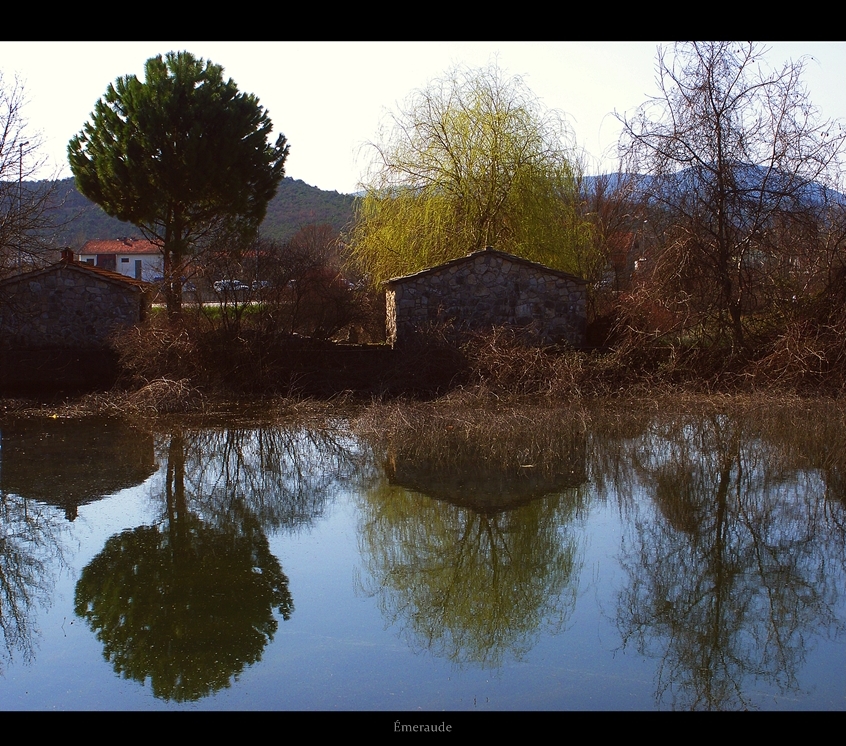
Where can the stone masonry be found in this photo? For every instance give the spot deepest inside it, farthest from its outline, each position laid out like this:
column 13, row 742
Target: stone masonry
column 68, row 305
column 485, row 289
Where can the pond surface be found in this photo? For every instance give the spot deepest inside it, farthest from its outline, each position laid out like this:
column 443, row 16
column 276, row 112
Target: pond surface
column 653, row 561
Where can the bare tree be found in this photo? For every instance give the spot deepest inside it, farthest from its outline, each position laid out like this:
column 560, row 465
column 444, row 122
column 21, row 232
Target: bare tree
column 318, row 299
column 24, row 203
column 609, row 206
column 731, row 153
column 286, row 288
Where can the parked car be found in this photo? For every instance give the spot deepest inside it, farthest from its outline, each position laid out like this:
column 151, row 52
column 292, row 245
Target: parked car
column 230, row 286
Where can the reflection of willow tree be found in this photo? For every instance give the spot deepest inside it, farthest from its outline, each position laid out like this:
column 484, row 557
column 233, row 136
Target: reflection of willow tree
column 733, row 571
column 30, row 537
column 470, row 586
column 189, row 602
column 477, row 573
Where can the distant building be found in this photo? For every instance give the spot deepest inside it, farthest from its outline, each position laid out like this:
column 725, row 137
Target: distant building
column 485, row 289
column 69, row 305
column 137, row 258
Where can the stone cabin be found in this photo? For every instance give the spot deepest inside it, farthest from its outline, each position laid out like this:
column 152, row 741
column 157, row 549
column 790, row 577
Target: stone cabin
column 69, row 305
column 485, row 289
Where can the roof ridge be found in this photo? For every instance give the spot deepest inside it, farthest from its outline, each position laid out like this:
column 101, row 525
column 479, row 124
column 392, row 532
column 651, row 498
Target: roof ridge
column 119, row 246
column 487, row 251
column 105, row 273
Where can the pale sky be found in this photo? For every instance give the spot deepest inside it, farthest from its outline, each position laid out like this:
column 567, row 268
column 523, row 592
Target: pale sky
column 329, row 98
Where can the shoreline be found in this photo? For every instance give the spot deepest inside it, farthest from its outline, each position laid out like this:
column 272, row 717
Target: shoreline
column 151, row 404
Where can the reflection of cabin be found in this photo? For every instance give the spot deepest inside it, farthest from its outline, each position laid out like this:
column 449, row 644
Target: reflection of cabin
column 68, row 463
column 482, row 491
column 137, row 258
column 487, row 488
column 485, row 289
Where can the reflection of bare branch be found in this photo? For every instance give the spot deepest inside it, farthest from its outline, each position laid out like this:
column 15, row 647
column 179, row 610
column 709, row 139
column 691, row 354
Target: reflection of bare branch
column 30, row 540
column 731, row 565
column 283, row 475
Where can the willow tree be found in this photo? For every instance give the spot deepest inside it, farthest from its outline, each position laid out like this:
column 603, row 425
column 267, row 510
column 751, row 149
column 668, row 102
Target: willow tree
column 473, row 160
column 182, row 155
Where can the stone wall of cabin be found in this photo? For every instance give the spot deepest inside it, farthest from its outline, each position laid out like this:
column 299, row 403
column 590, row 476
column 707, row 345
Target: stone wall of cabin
column 486, row 291
column 64, row 307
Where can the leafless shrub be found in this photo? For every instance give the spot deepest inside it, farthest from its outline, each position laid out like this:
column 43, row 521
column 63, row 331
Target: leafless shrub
column 157, row 350
column 740, row 165
column 165, row 396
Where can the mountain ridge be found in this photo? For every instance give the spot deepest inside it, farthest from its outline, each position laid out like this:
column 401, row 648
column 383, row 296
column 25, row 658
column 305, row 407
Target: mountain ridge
column 295, row 205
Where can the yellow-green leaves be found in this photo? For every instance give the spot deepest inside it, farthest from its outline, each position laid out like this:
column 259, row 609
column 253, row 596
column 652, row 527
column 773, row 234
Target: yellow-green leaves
column 473, row 160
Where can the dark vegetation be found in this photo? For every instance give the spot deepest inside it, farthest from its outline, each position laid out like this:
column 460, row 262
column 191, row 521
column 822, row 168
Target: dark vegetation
column 295, row 205
column 207, row 362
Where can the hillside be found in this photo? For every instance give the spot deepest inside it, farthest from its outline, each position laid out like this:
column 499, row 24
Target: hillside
column 296, row 204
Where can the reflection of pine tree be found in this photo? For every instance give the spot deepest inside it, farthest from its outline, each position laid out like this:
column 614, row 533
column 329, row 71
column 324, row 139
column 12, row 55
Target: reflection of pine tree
column 188, row 603
column 189, row 609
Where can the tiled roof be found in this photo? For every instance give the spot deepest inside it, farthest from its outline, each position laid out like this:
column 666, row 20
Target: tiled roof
column 487, row 252
column 120, row 246
column 109, row 275
column 103, row 274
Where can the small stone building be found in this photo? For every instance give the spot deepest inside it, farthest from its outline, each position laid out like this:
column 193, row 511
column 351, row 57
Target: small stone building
column 137, row 258
column 69, row 305
column 485, row 289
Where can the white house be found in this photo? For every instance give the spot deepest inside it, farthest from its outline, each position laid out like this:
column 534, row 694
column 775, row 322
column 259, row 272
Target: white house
column 137, row 258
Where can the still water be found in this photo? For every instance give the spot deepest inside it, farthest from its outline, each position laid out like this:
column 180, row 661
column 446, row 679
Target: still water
column 618, row 560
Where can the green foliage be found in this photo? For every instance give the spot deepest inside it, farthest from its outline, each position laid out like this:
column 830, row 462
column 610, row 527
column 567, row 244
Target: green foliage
column 471, row 161
column 183, row 606
column 180, row 155
column 295, row 204
column 298, row 204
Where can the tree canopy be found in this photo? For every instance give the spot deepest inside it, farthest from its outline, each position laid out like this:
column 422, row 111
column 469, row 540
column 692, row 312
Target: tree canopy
column 181, row 155
column 472, row 160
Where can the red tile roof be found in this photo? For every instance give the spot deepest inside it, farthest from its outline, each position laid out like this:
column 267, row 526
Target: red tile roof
column 109, row 275
column 120, row 246
column 103, row 274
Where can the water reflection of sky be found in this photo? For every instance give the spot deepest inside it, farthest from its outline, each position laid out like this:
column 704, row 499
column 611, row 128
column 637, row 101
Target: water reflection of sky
column 620, row 571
